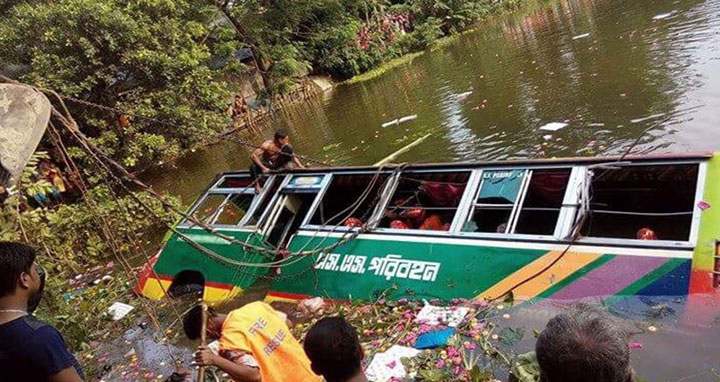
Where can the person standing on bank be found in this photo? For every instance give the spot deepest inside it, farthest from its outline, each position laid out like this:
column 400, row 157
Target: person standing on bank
column 31, row 349
column 274, row 154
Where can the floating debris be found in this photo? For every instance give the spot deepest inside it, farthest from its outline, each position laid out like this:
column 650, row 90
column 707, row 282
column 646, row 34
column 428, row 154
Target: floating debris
column 649, row 117
column 118, row 310
column 553, row 126
column 547, row 137
column 398, row 121
column 663, row 16
column 387, row 365
column 596, row 124
column 463, row 96
column 581, row 36
column 435, row 315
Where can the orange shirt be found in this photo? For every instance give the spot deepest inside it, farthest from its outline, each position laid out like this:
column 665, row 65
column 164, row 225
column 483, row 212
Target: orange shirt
column 256, row 328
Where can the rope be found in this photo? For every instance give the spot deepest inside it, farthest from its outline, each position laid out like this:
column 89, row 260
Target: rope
column 173, row 126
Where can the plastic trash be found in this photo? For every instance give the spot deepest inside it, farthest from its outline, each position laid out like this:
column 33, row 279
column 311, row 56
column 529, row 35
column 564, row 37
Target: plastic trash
column 662, row 16
column 311, row 305
column 581, row 36
column 435, row 315
column 387, row 365
column 434, row 339
column 118, row 310
column 553, row 126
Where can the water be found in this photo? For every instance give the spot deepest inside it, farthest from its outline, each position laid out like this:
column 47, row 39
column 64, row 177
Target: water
column 524, row 70
column 630, row 65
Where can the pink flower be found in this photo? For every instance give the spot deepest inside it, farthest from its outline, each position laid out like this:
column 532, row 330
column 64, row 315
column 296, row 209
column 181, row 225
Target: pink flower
column 440, row 364
column 457, row 370
column 636, row 345
column 407, row 315
column 403, row 301
column 470, row 345
column 392, row 364
column 703, row 205
column 452, row 352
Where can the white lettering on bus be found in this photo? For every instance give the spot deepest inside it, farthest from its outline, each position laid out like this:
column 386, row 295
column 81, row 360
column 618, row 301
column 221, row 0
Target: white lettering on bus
column 389, row 266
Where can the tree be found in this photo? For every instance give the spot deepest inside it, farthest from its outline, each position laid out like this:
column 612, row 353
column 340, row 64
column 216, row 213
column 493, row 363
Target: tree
column 151, row 57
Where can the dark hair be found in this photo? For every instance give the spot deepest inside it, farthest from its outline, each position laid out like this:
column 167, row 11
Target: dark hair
column 280, row 134
column 192, row 321
column 15, row 258
column 333, row 348
column 585, row 345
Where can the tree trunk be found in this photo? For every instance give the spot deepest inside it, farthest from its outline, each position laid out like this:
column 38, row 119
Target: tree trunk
column 262, row 61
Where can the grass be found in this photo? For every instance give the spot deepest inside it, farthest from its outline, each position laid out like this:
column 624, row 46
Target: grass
column 380, row 70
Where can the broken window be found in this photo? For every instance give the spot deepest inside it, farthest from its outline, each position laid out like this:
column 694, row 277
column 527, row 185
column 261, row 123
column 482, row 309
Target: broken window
column 653, row 202
column 234, row 209
column 495, row 201
column 349, row 200
column 206, row 209
column 543, row 201
column 266, row 198
column 425, row 201
column 236, row 182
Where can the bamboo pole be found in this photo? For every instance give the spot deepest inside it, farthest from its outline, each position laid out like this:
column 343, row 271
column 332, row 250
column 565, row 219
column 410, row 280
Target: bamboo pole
column 203, row 338
column 394, row 155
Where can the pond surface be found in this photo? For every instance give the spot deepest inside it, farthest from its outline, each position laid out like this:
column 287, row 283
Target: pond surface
column 608, row 68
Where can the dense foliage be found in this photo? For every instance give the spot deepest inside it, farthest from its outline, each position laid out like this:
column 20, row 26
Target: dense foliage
column 173, row 60
column 76, row 241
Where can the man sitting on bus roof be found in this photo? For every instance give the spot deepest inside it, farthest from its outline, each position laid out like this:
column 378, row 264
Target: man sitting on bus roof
column 273, row 154
column 255, row 344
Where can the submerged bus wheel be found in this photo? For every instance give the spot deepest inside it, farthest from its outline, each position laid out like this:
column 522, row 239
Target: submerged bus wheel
column 187, row 282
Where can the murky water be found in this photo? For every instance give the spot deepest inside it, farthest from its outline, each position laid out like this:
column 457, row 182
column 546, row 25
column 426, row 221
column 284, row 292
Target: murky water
column 608, row 68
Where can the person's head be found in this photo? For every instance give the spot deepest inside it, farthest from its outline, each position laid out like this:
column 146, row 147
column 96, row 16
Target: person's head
column 646, row 234
column 192, row 323
column 584, row 344
column 334, row 350
column 281, row 138
column 19, row 275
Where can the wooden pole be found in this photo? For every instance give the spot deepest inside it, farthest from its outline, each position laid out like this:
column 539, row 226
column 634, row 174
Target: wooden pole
column 394, row 155
column 203, row 338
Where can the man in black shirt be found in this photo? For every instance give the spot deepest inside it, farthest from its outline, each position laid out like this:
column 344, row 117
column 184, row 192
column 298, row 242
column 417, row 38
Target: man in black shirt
column 31, row 349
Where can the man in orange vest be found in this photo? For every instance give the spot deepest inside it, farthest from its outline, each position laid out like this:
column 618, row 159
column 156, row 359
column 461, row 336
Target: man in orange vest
column 255, row 344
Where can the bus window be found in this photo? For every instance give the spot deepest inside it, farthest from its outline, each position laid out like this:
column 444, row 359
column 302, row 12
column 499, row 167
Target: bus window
column 496, row 198
column 236, row 182
column 234, row 209
column 346, row 201
column 543, row 201
column 425, row 201
column 653, row 202
column 266, row 198
column 206, row 209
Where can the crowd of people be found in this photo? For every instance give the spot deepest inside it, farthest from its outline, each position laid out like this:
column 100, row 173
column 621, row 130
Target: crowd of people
column 51, row 187
column 256, row 344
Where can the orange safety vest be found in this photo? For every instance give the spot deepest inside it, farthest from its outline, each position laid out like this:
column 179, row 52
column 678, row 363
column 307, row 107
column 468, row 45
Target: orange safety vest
column 257, row 328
